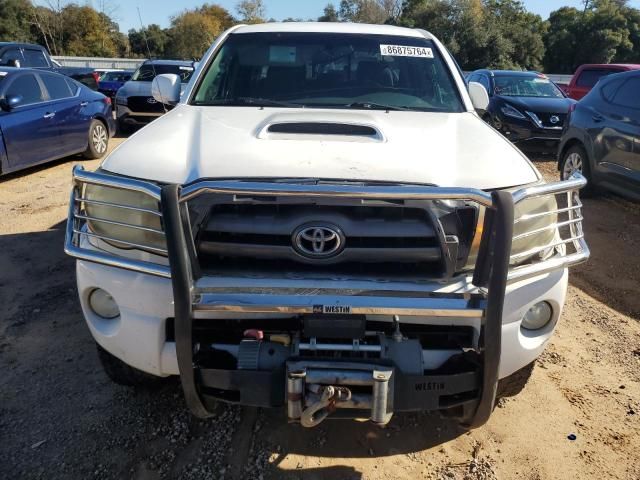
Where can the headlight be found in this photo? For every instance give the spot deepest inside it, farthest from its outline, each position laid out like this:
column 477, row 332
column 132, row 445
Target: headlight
column 533, row 228
column 129, row 216
column 510, row 111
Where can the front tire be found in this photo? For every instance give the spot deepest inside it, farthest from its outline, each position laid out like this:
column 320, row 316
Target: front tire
column 123, row 374
column 98, row 140
column 575, row 160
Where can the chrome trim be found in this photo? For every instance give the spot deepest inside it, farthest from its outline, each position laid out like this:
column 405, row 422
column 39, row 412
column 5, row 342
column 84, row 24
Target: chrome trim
column 553, row 226
column 531, row 216
column 114, row 181
column 399, row 192
column 162, row 251
column 117, row 205
column 533, row 251
column 363, row 305
column 576, row 182
column 120, row 224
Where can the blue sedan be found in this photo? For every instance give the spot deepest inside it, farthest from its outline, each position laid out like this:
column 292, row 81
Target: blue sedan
column 45, row 116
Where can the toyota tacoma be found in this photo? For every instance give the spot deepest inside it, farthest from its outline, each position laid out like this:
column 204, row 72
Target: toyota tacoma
column 324, row 223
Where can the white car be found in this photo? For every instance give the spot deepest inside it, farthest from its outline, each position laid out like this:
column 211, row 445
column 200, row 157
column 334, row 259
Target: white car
column 324, row 222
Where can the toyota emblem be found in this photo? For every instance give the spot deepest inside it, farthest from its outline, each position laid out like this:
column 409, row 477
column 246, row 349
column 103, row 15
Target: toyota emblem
column 151, row 100
column 318, row 241
column 554, row 119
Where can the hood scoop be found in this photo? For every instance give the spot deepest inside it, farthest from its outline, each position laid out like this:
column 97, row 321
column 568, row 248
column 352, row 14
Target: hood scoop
column 300, row 130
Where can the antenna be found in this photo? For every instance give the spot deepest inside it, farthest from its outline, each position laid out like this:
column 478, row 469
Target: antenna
column 146, row 42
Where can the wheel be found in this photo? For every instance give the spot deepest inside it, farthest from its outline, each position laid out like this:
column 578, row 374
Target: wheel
column 122, row 374
column 514, row 383
column 98, row 140
column 576, row 160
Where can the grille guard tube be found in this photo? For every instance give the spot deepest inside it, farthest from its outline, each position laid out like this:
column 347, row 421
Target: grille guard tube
column 182, row 283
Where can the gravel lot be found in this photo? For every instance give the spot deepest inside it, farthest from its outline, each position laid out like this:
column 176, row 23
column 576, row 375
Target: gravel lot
column 60, row 417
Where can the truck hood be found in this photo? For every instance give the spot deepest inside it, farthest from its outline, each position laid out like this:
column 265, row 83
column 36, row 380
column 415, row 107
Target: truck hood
column 446, row 149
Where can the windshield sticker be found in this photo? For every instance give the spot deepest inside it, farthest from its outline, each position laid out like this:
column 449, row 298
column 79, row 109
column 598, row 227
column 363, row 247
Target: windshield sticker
column 405, row 51
column 282, row 54
column 186, row 68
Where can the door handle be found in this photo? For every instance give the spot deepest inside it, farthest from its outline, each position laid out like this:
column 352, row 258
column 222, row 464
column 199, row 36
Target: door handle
column 49, row 115
column 84, row 104
column 597, row 117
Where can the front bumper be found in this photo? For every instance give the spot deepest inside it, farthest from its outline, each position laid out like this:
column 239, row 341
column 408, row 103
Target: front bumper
column 155, row 331
column 134, row 118
column 528, row 137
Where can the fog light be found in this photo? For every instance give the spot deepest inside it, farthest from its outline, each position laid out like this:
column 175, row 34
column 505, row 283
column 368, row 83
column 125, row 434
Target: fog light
column 103, row 304
column 538, row 316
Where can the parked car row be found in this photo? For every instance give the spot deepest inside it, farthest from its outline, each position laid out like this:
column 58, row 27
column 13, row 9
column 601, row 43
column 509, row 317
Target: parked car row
column 598, row 136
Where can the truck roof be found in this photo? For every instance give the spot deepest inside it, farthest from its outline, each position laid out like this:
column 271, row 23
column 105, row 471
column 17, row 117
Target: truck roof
column 330, row 27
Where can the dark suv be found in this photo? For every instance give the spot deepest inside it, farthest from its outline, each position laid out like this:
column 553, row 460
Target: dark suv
column 526, row 107
column 602, row 136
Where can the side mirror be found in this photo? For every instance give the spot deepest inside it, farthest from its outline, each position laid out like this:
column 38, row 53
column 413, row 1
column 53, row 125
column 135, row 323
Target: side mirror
column 165, row 88
column 14, row 62
column 479, row 96
column 10, row 102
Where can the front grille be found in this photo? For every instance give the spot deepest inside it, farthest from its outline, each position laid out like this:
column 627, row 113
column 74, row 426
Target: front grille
column 141, row 104
column 545, row 118
column 383, row 238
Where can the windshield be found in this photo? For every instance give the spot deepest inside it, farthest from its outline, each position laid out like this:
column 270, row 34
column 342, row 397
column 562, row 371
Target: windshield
column 329, row 71
column 524, row 86
column 115, row 77
column 148, row 72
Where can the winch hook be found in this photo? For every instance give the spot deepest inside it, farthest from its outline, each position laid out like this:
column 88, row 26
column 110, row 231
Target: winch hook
column 316, row 413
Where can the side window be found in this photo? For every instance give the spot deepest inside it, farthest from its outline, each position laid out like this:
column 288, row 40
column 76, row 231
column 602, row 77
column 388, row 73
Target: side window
column 628, row 95
column 485, row 83
column 72, row 85
column 589, row 77
column 35, row 59
column 11, row 54
column 610, row 89
column 27, row 87
column 57, row 86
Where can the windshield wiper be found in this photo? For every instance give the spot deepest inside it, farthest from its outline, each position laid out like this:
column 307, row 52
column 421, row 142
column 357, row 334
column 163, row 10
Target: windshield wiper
column 375, row 106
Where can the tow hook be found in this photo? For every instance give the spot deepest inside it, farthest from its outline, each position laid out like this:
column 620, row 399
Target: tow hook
column 329, row 395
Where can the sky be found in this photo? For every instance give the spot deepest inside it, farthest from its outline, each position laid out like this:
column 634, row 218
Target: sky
column 160, row 11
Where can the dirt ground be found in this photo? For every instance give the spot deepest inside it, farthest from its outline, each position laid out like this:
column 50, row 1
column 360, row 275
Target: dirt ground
column 60, row 417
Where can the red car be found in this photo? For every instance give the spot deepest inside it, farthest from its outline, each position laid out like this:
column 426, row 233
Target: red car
column 587, row 76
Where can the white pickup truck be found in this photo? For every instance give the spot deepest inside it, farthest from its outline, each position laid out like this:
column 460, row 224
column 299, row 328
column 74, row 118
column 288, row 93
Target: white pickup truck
column 324, row 223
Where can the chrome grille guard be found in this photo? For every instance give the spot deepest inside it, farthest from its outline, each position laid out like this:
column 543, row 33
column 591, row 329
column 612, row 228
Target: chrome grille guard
column 495, row 266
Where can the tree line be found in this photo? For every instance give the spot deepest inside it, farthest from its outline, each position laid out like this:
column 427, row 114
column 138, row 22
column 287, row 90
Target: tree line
column 480, row 33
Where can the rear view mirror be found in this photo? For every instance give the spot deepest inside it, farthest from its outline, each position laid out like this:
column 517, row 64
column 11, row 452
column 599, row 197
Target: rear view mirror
column 165, row 88
column 479, row 96
column 10, row 102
